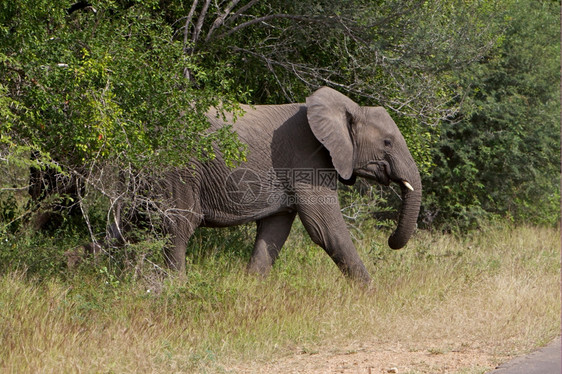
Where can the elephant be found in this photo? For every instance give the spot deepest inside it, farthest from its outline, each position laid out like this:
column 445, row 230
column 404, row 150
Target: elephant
column 296, row 153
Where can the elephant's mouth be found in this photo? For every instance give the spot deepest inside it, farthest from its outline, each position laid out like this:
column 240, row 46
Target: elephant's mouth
column 378, row 170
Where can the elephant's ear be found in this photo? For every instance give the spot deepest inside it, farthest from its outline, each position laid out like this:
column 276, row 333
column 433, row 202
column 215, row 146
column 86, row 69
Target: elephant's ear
column 330, row 116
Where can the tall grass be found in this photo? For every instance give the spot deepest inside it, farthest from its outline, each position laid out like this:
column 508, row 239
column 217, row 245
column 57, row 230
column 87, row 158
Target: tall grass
column 497, row 290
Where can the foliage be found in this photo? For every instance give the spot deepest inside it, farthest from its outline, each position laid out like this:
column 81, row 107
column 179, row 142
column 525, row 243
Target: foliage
column 103, row 84
column 502, row 154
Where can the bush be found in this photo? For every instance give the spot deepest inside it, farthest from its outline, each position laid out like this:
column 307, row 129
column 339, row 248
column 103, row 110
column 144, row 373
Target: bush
column 501, row 154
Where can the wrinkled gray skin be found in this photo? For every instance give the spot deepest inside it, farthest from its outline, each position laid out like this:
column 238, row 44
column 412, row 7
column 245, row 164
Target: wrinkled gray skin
column 293, row 154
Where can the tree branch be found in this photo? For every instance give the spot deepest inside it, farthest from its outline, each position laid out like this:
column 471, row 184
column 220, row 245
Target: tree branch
column 219, row 21
column 240, row 11
column 269, row 17
column 187, row 22
column 200, row 20
column 186, row 72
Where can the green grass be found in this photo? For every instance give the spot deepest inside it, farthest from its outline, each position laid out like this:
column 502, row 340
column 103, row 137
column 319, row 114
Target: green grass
column 497, row 290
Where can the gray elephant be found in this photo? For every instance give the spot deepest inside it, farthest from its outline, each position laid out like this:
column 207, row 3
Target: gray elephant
column 295, row 155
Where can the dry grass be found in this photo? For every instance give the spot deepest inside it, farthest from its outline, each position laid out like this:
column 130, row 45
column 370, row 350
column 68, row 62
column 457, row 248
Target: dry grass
column 496, row 292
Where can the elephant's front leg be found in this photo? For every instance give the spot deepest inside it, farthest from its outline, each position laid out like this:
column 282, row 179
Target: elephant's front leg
column 271, row 235
column 325, row 225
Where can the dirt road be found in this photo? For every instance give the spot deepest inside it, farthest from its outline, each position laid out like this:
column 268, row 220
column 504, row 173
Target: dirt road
column 371, row 358
column 376, row 358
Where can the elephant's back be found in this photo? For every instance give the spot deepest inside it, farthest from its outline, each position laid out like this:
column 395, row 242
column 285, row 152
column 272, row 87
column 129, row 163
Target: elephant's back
column 259, row 123
column 269, row 131
column 280, row 131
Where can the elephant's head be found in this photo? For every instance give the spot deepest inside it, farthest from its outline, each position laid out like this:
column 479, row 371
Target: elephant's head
column 365, row 142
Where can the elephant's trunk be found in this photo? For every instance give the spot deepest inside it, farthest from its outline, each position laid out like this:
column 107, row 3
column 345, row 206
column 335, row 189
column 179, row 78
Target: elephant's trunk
column 411, row 201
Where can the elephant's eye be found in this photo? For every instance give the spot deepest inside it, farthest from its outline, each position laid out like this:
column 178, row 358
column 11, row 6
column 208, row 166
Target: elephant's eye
column 387, row 143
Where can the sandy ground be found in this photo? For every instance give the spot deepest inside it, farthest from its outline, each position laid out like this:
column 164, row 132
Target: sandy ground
column 375, row 358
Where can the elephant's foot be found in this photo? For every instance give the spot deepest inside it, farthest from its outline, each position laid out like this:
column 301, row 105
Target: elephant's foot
column 260, row 264
column 359, row 274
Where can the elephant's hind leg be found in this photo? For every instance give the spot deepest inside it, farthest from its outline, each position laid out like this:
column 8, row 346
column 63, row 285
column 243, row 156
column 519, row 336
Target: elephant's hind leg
column 181, row 220
column 271, row 235
column 180, row 228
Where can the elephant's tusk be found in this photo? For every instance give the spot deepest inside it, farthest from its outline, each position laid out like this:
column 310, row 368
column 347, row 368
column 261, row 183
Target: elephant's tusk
column 408, row 185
